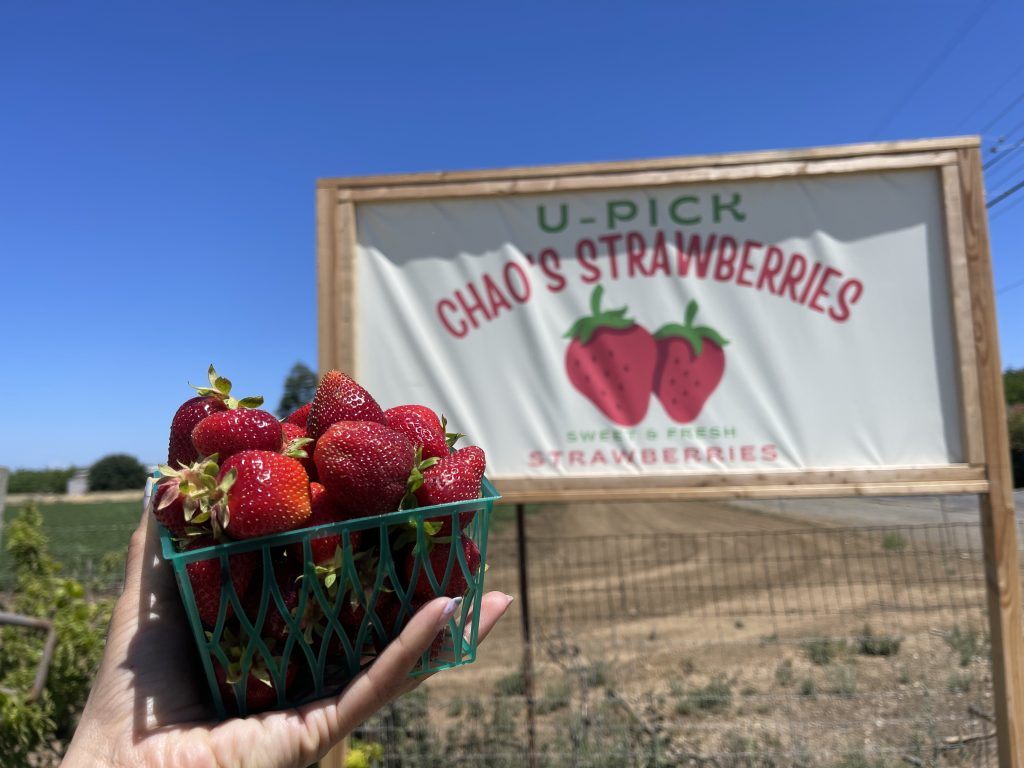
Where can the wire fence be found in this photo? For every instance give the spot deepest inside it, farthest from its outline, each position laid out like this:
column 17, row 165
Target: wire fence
column 812, row 643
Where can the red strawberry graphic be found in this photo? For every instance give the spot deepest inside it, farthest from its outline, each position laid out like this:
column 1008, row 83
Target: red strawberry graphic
column 364, row 466
column 691, row 362
column 611, row 361
column 340, row 398
column 270, row 494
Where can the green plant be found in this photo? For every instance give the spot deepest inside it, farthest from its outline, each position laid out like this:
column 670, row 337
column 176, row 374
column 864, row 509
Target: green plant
column 784, row 673
column 842, row 680
column 823, row 651
column 959, row 682
column 513, row 684
column 893, row 542
column 41, row 592
column 556, row 696
column 965, row 642
column 364, row 754
column 870, row 644
column 299, row 388
column 117, row 472
column 713, row 697
column 808, row 687
column 39, row 480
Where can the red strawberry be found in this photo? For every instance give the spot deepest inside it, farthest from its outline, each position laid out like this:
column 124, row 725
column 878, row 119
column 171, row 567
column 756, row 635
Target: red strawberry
column 340, row 398
column 270, row 494
column 364, row 466
column 214, row 398
column 691, row 362
column 611, row 361
column 205, row 578
column 302, row 451
column 275, row 628
column 298, row 417
column 324, row 510
column 421, row 425
column 169, row 507
column 437, row 562
column 260, row 692
column 457, row 477
column 180, row 451
column 228, row 432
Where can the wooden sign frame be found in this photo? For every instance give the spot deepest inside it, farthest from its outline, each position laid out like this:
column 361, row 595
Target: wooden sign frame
column 986, row 470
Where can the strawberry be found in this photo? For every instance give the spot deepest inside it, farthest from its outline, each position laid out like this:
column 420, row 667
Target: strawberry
column 457, row 477
column 269, row 494
column 274, row 628
column 324, row 510
column 298, row 417
column 421, row 425
column 690, row 364
column 227, row 432
column 340, row 398
column 216, row 397
column 205, row 577
column 260, row 692
column 180, row 451
column 185, row 498
column 611, row 361
column 302, row 450
column 437, row 562
column 364, row 466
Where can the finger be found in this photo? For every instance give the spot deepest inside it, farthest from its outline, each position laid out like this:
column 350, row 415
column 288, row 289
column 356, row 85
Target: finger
column 492, row 607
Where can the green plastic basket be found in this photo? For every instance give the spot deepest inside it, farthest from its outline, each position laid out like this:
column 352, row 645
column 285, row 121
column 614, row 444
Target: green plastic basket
column 357, row 614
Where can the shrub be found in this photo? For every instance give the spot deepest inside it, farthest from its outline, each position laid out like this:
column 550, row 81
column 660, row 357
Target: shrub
column 869, row 644
column 41, row 592
column 821, row 652
column 117, row 472
column 784, row 672
column 965, row 643
column 39, row 480
column 713, row 697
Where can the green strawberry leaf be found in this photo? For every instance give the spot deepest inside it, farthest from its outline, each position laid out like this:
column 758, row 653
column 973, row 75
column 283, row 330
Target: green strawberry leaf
column 585, row 327
column 695, row 335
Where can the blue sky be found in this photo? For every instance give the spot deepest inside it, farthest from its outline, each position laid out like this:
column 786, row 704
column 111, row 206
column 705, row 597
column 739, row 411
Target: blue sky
column 158, row 161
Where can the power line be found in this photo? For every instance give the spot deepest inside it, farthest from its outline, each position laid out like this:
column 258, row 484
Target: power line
column 1003, row 153
column 1006, row 208
column 999, row 198
column 993, row 181
column 1003, row 114
column 929, row 71
column 1010, row 287
column 988, row 98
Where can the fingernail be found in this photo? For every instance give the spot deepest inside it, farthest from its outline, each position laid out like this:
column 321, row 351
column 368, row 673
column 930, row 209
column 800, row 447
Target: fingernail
column 510, row 598
column 450, row 609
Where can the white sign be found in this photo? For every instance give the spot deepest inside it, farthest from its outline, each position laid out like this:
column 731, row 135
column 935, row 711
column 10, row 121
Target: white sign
column 798, row 323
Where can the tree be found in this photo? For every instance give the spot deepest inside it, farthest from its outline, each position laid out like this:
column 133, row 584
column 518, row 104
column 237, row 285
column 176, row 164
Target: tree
column 1013, row 384
column 298, row 389
column 117, row 472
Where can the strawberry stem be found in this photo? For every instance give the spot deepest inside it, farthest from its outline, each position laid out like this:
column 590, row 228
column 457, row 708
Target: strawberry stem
column 585, row 327
column 695, row 334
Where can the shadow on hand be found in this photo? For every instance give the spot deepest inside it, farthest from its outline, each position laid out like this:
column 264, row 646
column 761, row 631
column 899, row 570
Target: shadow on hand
column 166, row 674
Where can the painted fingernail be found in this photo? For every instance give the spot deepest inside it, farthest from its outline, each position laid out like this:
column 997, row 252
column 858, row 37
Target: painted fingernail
column 450, row 609
column 510, row 598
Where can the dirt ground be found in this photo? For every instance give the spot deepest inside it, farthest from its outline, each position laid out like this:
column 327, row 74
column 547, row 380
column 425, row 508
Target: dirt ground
column 775, row 628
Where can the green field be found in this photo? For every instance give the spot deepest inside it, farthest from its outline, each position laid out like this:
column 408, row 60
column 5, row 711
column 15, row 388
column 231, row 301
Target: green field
column 87, row 538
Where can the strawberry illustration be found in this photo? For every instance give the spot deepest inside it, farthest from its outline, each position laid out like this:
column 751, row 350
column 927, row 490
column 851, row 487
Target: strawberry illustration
column 421, row 425
column 205, row 577
column 364, row 465
column 611, row 361
column 227, row 432
column 269, row 494
column 691, row 362
column 216, row 397
column 339, row 398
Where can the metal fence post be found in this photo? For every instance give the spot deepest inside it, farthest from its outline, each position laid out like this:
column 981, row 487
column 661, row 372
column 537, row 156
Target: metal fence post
column 524, row 608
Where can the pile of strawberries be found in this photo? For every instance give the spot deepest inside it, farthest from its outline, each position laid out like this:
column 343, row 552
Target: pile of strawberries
column 235, row 472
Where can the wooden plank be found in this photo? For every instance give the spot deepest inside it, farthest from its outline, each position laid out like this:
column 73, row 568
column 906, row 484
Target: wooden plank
column 346, row 296
column 998, row 517
column 655, row 164
column 583, row 182
column 326, row 320
column 963, row 320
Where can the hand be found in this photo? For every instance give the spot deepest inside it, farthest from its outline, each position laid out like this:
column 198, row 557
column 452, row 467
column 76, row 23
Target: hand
column 147, row 708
